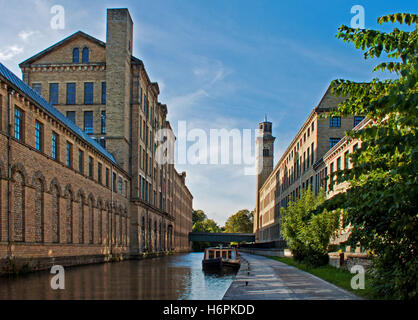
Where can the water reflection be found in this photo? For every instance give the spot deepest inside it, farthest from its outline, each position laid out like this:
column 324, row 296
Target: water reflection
column 174, row 277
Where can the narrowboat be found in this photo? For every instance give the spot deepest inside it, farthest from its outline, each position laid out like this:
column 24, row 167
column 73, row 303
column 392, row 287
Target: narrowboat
column 220, row 258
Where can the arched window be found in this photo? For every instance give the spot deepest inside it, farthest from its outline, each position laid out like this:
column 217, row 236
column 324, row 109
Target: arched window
column 114, row 228
column 91, row 221
column 155, row 235
column 18, row 208
column 69, row 219
column 120, row 229
column 86, row 54
column 164, row 236
column 124, row 228
column 149, row 234
column 99, row 223
column 170, row 237
column 76, row 55
column 122, row 221
column 107, row 225
column 160, row 238
column 143, row 233
column 39, row 211
column 81, row 219
column 55, row 216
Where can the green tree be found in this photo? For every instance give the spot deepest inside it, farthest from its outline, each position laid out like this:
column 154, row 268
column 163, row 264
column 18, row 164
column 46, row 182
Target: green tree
column 198, row 215
column 240, row 222
column 308, row 235
column 207, row 225
column 382, row 199
column 201, row 223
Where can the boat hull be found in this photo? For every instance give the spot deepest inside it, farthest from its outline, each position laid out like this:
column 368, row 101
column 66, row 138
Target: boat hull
column 219, row 264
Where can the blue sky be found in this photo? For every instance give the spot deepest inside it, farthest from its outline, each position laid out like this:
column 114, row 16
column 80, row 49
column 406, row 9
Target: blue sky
column 219, row 64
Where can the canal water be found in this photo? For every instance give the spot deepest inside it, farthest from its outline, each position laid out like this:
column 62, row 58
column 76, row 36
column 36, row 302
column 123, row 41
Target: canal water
column 177, row 277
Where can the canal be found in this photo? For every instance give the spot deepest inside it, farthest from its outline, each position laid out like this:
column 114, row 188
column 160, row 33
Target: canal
column 177, row 277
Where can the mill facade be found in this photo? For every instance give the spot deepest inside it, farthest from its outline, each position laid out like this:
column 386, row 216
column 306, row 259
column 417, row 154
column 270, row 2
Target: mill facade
column 79, row 174
column 306, row 163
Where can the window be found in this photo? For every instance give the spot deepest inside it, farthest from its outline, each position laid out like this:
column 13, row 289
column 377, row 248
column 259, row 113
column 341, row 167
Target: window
column 339, row 163
column 335, row 122
column 86, row 54
column 69, row 155
column 120, row 185
column 54, row 146
column 139, row 186
column 99, row 172
column 91, row 167
column 53, row 93
column 265, row 152
column 71, row 116
column 146, row 164
column 76, row 55
column 114, row 182
column 146, row 107
column 312, row 149
column 333, row 142
column 18, row 124
column 309, row 132
column 107, row 177
column 331, row 171
column 307, row 158
column 346, row 160
column 357, row 120
column 103, row 92
column 80, row 161
column 103, row 122
column 39, row 136
column 355, row 147
column 88, row 92
column 37, row 87
column 102, row 142
column 71, row 93
column 143, row 189
column 88, row 121
column 313, row 126
column 326, row 177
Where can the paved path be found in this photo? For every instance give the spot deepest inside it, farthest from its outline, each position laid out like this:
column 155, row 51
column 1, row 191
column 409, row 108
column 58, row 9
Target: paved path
column 268, row 279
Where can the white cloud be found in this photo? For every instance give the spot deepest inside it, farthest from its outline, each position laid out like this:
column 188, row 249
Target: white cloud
column 24, row 35
column 10, row 52
column 178, row 105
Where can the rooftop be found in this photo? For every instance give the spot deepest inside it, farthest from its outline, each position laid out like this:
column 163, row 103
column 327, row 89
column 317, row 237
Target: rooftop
column 49, row 108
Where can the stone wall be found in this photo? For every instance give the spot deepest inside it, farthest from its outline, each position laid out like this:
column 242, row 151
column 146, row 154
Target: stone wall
column 347, row 260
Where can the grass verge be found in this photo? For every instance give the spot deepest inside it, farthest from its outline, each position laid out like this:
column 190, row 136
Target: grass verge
column 339, row 277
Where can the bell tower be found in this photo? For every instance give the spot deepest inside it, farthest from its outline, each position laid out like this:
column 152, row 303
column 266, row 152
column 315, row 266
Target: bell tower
column 265, row 153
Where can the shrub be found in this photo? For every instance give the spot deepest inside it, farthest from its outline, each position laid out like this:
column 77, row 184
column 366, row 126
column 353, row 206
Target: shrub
column 308, row 235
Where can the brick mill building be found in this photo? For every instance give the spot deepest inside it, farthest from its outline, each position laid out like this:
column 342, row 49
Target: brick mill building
column 318, row 149
column 79, row 177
